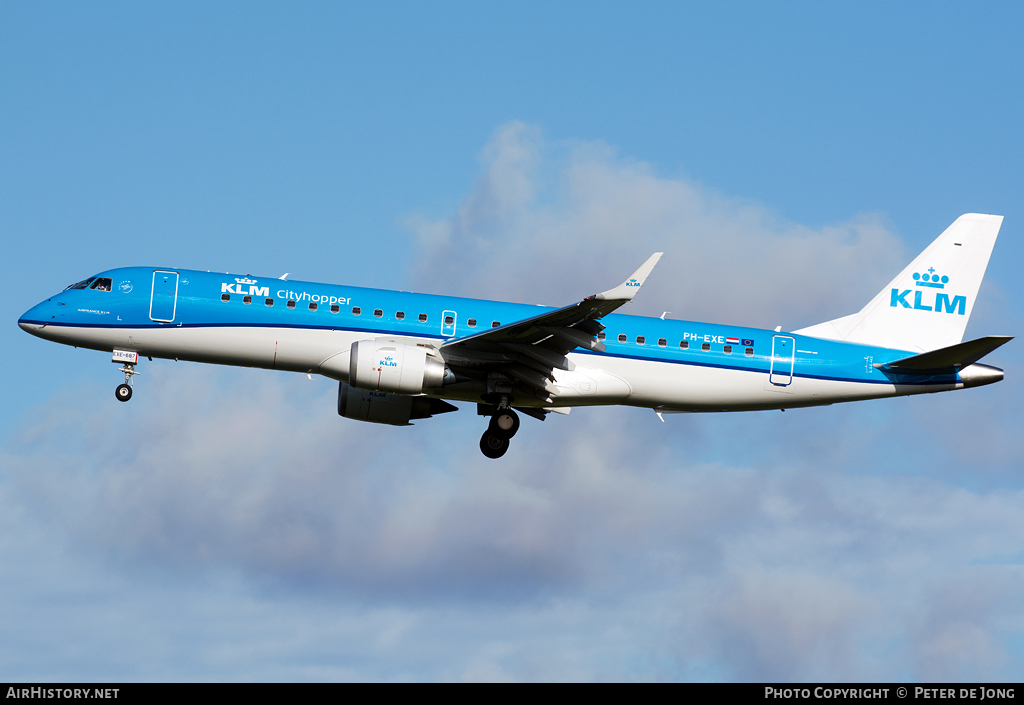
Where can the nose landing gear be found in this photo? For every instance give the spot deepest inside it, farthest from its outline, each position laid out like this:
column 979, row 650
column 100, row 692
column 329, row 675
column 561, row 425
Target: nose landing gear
column 124, row 391
column 129, row 358
column 504, row 424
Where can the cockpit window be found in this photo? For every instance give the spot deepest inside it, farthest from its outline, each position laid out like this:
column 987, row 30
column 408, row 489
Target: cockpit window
column 82, row 284
column 101, row 284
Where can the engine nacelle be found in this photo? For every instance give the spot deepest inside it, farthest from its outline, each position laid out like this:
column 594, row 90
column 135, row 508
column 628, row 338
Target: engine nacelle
column 381, row 407
column 383, row 366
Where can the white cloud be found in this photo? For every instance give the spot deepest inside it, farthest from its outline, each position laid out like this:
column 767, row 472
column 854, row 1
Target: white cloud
column 553, row 223
column 600, row 547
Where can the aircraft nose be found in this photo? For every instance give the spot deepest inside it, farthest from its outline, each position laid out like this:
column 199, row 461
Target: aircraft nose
column 36, row 318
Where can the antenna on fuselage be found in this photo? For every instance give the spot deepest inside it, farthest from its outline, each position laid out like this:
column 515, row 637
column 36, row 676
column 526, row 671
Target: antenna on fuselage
column 284, row 277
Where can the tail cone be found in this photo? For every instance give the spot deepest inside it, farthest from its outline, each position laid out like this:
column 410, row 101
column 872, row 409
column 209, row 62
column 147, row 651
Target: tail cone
column 977, row 375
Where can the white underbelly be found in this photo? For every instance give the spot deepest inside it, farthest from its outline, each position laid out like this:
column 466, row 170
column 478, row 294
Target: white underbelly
column 704, row 388
column 296, row 349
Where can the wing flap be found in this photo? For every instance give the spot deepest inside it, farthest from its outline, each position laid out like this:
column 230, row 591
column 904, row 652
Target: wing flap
column 573, row 338
column 533, row 378
column 545, row 356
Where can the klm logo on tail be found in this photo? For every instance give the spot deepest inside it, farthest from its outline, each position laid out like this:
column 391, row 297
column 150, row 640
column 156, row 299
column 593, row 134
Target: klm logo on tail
column 940, row 304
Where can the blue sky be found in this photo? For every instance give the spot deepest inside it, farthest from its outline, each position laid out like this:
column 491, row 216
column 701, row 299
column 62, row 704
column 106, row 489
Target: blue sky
column 226, row 524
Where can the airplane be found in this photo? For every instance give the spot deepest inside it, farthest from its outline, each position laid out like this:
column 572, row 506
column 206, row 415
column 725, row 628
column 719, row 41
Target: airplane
column 401, row 356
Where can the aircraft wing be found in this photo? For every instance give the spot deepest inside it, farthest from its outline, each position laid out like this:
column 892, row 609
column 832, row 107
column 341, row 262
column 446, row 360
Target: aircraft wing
column 527, row 351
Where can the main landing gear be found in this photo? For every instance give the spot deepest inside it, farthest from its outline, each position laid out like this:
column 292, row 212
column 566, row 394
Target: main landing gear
column 124, row 391
column 504, row 424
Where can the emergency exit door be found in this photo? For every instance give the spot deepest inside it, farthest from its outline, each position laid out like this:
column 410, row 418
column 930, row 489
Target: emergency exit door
column 448, row 324
column 163, row 300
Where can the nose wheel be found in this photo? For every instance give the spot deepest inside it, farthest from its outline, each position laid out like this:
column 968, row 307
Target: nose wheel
column 495, row 441
column 124, row 391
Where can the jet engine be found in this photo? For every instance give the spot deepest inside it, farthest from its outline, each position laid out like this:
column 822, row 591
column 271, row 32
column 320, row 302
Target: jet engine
column 381, row 407
column 383, row 366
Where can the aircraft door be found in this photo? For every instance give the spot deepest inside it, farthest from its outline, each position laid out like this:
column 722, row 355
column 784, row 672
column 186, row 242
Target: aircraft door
column 163, row 300
column 448, row 324
column 783, row 350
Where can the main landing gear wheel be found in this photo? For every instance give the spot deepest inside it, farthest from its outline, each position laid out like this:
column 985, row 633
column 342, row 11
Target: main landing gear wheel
column 123, row 392
column 502, row 427
column 493, row 445
column 505, row 422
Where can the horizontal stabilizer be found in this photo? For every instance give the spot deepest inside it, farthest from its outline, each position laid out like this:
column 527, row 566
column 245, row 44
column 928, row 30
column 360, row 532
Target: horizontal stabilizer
column 955, row 356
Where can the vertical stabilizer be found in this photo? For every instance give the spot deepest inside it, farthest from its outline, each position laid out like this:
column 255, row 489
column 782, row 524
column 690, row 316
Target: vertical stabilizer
column 928, row 305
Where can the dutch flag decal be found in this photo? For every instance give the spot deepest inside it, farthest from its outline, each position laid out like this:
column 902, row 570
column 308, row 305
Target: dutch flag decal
column 732, row 341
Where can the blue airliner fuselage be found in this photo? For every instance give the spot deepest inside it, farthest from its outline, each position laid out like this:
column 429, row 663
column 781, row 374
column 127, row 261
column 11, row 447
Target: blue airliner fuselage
column 398, row 354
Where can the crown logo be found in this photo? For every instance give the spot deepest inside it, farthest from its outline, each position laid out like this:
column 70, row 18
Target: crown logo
column 244, row 280
column 931, row 279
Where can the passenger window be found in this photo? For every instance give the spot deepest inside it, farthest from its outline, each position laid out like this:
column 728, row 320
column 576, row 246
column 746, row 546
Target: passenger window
column 622, row 337
column 640, row 340
column 727, row 350
column 705, row 347
column 601, row 336
column 291, row 304
column 448, row 320
column 225, row 297
column 684, row 344
column 356, row 310
column 662, row 342
column 495, row 324
column 246, row 300
column 312, row 306
column 378, row 313
column 335, row 308
column 749, row 352
column 471, row 323
column 400, row 315
column 423, row 318
column 101, row 284
column 269, row 302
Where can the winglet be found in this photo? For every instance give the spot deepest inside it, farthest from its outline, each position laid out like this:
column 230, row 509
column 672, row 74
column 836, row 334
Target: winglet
column 627, row 290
